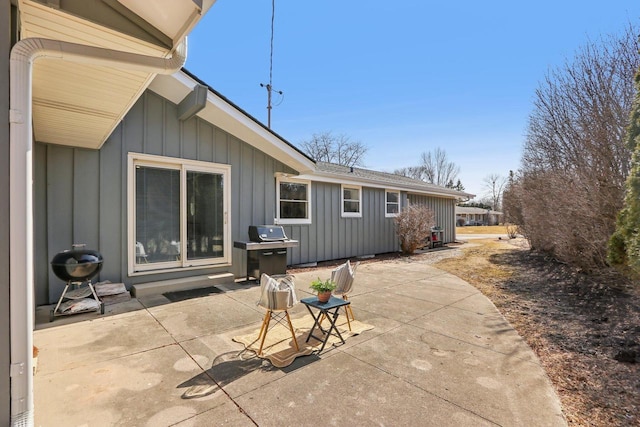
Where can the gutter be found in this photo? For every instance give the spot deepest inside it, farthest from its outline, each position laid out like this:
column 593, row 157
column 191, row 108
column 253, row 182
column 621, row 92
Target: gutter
column 21, row 302
column 436, row 191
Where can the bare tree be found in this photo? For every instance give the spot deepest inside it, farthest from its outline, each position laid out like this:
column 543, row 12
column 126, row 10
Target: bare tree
column 575, row 160
column 415, row 172
column 435, row 169
column 338, row 149
column 494, row 185
column 413, row 226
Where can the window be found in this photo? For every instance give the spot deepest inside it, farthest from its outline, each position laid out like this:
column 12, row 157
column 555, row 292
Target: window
column 293, row 196
column 351, row 197
column 393, row 203
column 177, row 213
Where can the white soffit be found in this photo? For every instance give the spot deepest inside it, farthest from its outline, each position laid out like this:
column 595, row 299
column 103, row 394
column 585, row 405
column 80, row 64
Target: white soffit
column 77, row 104
column 175, row 18
column 80, row 105
column 227, row 117
column 38, row 20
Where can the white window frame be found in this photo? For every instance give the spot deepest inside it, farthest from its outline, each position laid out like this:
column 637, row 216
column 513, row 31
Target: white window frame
column 386, row 203
column 184, row 166
column 343, row 200
column 280, row 179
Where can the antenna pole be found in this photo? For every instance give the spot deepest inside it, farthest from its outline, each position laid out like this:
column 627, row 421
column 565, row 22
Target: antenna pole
column 269, row 88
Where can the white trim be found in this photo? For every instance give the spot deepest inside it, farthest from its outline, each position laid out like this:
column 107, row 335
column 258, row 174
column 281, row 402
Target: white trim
column 21, row 302
column 386, row 202
column 184, row 166
column 175, row 270
column 372, row 183
column 342, row 200
column 279, row 179
column 228, row 117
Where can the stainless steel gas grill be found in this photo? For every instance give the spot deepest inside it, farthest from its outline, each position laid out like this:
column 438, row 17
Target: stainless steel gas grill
column 266, row 250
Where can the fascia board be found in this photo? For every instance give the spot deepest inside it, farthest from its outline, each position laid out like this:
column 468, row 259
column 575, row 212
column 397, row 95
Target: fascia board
column 227, row 117
column 365, row 182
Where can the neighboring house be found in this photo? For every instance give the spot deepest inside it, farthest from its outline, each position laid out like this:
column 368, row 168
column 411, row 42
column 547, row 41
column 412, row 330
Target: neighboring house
column 138, row 159
column 477, row 216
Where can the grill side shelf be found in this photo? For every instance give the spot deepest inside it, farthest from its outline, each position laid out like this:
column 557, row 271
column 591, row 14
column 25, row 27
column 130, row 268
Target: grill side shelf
column 266, row 257
column 258, row 246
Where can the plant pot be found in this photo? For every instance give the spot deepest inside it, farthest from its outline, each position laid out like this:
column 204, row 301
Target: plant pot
column 324, row 296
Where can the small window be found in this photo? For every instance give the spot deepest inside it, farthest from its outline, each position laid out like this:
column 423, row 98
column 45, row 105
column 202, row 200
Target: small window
column 294, row 201
column 393, row 203
column 351, row 201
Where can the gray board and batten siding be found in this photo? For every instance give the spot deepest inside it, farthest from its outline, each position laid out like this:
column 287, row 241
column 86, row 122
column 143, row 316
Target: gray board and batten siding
column 329, row 236
column 81, row 194
column 444, row 210
column 81, row 197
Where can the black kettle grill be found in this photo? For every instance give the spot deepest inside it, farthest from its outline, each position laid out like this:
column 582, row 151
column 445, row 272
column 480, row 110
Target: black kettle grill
column 77, row 267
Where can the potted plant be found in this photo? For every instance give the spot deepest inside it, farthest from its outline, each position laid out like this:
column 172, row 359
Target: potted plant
column 323, row 288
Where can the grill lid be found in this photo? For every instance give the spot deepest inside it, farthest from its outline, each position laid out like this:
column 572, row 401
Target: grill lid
column 77, row 264
column 266, row 233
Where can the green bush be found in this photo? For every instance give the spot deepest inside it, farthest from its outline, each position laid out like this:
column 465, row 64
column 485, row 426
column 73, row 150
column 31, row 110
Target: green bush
column 624, row 245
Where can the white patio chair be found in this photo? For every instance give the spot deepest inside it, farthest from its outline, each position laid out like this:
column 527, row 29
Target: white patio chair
column 141, row 255
column 277, row 296
column 344, row 276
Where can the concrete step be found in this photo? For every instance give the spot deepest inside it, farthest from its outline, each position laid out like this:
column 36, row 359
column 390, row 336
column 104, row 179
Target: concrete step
column 194, row 282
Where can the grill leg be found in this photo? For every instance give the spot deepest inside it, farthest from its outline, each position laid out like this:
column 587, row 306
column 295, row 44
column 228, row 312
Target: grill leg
column 95, row 296
column 66, row 287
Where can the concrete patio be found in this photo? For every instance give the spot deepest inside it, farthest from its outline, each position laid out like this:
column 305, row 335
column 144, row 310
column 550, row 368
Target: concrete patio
column 440, row 354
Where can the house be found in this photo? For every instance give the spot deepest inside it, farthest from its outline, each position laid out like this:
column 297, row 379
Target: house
column 466, row 215
column 214, row 172
column 137, row 158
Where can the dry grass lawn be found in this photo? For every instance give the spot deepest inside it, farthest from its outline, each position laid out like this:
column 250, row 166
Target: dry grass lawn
column 585, row 329
column 482, row 229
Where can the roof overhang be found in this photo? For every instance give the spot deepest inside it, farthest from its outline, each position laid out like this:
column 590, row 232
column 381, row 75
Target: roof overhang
column 476, row 210
column 80, row 104
column 417, row 188
column 222, row 113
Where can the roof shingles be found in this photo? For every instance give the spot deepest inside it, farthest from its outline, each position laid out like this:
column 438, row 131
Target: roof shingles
column 387, row 178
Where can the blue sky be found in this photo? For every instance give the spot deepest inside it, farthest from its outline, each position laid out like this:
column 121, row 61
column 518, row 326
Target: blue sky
column 403, row 77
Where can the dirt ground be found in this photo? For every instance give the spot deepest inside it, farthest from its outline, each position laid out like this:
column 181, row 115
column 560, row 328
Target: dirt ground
column 585, row 329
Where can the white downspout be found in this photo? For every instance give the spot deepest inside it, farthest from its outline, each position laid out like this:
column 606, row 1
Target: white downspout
column 23, row 55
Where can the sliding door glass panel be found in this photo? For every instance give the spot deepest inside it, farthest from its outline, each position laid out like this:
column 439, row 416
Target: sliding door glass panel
column 157, row 215
column 205, row 215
